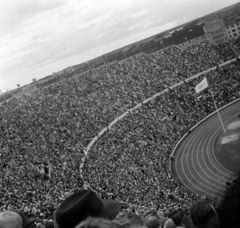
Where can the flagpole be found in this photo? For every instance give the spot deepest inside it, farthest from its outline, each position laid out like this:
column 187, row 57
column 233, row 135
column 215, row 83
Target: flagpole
column 217, row 109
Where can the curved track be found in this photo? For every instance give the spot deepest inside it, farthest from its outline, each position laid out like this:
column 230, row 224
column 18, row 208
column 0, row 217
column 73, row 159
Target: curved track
column 195, row 164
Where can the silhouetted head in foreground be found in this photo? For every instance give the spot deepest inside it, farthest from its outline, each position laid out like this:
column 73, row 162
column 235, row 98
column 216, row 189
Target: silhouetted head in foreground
column 229, row 206
column 203, row 215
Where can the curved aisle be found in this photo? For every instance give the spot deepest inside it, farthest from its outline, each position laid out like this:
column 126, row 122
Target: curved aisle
column 195, row 164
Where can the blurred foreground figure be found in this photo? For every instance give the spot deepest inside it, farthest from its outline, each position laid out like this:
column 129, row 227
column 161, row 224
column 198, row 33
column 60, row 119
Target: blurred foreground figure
column 177, row 219
column 129, row 220
column 152, row 222
column 125, row 220
column 229, row 206
column 10, row 219
column 203, row 215
column 96, row 223
column 83, row 204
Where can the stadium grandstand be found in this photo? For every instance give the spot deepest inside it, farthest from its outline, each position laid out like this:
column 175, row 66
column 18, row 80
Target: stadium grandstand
column 112, row 129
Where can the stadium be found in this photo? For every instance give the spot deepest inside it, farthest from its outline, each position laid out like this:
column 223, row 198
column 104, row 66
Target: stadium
column 133, row 130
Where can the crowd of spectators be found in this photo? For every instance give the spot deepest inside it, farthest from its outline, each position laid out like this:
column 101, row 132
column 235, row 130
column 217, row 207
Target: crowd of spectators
column 226, row 50
column 50, row 129
column 206, row 53
column 131, row 160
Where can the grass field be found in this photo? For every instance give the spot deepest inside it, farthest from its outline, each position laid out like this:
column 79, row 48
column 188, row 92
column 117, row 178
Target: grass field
column 227, row 147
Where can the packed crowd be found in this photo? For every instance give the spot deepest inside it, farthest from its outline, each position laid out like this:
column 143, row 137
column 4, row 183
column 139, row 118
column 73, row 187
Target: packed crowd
column 206, row 53
column 227, row 50
column 84, row 209
column 131, row 161
column 44, row 135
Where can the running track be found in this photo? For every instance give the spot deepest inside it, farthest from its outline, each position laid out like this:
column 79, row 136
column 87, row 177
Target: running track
column 195, row 165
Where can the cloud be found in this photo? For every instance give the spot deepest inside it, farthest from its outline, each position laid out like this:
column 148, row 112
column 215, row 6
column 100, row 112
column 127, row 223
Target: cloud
column 45, row 62
column 36, row 37
column 52, row 32
column 151, row 23
column 26, row 7
column 139, row 14
column 14, row 12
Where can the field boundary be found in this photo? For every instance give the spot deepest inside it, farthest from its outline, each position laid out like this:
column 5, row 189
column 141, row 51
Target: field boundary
column 195, row 126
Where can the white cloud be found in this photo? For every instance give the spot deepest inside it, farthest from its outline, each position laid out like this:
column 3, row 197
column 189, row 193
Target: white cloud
column 139, row 14
column 14, row 12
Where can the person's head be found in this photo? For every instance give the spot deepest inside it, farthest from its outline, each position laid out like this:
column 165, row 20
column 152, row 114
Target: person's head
column 83, row 204
column 128, row 220
column 151, row 213
column 96, row 223
column 169, row 224
column 177, row 218
column 188, row 222
column 157, row 214
column 202, row 214
column 152, row 222
column 10, row 219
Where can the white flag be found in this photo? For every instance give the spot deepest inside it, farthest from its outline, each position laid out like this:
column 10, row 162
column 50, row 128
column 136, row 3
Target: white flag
column 201, row 86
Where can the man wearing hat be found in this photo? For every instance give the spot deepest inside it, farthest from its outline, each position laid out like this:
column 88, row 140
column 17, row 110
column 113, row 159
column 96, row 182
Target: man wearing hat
column 83, row 204
column 10, row 219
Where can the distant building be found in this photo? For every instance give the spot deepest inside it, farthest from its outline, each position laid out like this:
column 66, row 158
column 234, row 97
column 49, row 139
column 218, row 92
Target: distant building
column 191, row 42
column 216, row 32
column 186, row 39
column 233, row 28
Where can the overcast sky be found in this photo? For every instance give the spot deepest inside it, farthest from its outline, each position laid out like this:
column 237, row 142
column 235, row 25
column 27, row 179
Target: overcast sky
column 39, row 37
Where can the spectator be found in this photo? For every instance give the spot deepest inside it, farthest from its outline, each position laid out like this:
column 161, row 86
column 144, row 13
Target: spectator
column 228, row 207
column 203, row 215
column 178, row 219
column 152, row 222
column 129, row 220
column 188, row 222
column 82, row 204
column 169, row 224
column 96, row 223
column 10, row 219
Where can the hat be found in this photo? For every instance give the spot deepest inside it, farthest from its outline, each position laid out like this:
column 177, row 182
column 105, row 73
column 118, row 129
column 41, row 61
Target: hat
column 26, row 220
column 83, row 204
